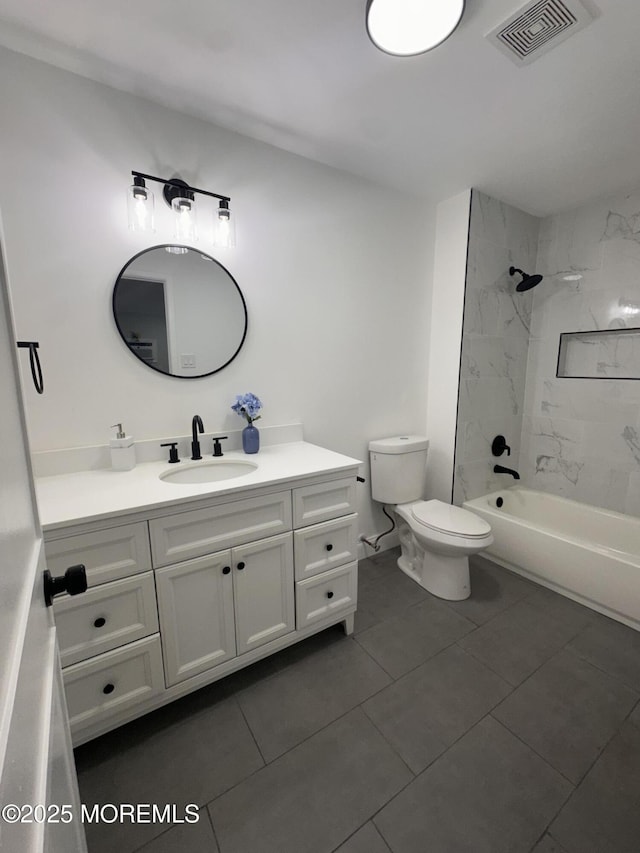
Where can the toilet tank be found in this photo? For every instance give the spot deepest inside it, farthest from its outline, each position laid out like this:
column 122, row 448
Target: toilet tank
column 398, row 468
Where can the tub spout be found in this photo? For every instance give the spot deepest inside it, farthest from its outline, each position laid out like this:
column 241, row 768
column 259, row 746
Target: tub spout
column 499, row 469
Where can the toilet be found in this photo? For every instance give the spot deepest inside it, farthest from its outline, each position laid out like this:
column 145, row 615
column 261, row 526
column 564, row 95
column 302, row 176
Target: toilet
column 436, row 538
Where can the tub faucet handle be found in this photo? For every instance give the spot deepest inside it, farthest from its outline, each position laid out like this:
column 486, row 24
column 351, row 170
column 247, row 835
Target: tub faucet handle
column 499, row 445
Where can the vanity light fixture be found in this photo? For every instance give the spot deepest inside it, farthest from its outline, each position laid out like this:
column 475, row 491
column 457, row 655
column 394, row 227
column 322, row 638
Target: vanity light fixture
column 411, row 27
column 181, row 198
column 140, row 205
column 184, row 208
column 225, row 230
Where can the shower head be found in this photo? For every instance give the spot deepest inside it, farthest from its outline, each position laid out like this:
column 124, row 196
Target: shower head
column 528, row 281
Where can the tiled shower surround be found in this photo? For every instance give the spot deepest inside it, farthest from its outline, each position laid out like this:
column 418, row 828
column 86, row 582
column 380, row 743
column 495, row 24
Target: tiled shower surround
column 579, row 438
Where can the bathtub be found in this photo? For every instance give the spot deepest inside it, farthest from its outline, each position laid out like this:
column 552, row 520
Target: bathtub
column 589, row 554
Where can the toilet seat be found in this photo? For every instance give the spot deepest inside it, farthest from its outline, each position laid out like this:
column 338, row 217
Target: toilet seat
column 450, row 520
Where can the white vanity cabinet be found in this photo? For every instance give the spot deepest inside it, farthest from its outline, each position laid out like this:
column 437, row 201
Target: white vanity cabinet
column 183, row 594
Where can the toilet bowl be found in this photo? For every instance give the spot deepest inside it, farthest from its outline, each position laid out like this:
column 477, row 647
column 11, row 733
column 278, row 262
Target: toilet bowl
column 436, row 541
column 436, row 538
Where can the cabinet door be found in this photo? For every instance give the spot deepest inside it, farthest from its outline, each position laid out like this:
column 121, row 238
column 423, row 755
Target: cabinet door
column 264, row 591
column 195, row 603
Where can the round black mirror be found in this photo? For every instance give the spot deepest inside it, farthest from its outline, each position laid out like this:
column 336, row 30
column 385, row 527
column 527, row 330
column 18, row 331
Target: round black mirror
column 179, row 311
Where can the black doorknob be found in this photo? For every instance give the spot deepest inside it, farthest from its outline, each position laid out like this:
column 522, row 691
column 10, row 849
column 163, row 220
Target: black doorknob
column 99, row 622
column 241, row 566
column 226, row 570
column 329, row 594
column 108, row 688
column 73, row 582
column 329, row 547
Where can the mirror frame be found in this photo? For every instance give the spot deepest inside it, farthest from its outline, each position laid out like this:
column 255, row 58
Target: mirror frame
column 121, row 333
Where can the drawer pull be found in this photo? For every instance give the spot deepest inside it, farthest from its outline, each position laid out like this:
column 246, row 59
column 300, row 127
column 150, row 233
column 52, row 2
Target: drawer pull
column 329, row 547
column 100, row 622
column 240, row 566
column 108, row 688
column 329, row 594
column 226, row 570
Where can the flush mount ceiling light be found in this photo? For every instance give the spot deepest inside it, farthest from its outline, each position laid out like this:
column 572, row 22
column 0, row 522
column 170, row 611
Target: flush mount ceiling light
column 411, row 27
column 181, row 199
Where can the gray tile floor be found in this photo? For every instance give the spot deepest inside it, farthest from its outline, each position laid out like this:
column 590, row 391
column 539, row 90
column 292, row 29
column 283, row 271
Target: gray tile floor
column 508, row 722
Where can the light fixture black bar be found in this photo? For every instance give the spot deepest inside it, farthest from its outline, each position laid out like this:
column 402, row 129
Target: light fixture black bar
column 176, row 183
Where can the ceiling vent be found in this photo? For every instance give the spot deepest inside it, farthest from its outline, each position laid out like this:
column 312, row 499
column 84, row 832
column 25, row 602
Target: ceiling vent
column 538, row 27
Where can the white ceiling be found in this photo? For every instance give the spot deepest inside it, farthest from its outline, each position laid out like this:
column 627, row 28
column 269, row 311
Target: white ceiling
column 303, row 76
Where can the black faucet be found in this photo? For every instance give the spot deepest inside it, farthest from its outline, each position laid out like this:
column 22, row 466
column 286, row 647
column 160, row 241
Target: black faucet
column 196, row 424
column 499, row 469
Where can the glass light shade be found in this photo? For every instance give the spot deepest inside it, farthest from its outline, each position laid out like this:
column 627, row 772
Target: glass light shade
column 184, row 210
column 140, row 208
column 225, row 228
column 411, row 27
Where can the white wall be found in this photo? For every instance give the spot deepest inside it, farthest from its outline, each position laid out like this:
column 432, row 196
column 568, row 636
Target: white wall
column 452, row 231
column 336, row 273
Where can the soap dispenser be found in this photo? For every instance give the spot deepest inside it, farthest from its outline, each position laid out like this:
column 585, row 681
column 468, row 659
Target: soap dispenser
column 123, row 453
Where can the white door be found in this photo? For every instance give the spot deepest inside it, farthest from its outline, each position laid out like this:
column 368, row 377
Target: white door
column 39, row 800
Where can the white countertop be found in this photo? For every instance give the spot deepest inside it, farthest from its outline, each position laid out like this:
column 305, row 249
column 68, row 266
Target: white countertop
column 84, row 496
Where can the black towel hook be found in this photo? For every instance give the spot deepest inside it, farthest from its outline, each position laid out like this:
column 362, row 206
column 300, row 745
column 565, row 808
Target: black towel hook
column 34, row 361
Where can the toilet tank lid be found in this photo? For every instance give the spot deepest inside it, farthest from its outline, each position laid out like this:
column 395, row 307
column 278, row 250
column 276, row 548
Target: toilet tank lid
column 399, row 444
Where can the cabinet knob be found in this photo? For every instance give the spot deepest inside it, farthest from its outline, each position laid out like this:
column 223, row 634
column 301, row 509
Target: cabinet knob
column 73, row 582
column 100, row 622
column 329, row 547
column 108, row 688
column 329, row 594
column 226, row 570
column 240, row 566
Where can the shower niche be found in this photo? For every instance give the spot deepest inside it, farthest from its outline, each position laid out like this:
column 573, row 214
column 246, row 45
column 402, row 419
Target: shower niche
column 604, row 354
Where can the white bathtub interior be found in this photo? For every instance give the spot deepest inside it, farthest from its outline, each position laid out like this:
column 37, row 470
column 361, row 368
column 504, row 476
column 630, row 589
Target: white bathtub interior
column 589, row 554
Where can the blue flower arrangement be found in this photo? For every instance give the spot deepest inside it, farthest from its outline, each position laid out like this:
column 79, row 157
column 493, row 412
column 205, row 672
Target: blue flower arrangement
column 247, row 406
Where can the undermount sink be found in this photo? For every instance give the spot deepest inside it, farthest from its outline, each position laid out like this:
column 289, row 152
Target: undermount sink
column 208, row 472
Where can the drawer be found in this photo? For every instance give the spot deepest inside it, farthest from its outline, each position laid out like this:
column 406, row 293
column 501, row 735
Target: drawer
column 113, row 682
column 105, row 617
column 325, row 546
column 204, row 531
column 326, row 595
column 312, row 504
column 107, row 554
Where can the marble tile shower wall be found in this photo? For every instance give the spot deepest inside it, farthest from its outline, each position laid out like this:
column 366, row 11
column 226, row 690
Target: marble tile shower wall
column 581, row 437
column 494, row 344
